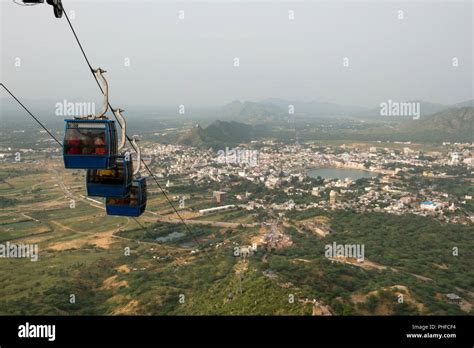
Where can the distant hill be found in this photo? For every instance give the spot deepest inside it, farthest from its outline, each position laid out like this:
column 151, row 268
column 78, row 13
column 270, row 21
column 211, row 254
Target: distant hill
column 426, row 108
column 196, row 137
column 251, row 112
column 465, row 103
column 218, row 135
column 277, row 110
column 315, row 108
column 453, row 124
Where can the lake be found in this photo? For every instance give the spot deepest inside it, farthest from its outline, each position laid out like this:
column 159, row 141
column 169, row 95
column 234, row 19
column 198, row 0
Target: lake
column 340, row 173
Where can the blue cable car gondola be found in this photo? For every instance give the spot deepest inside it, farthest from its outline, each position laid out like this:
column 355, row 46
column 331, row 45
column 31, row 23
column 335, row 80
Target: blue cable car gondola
column 114, row 182
column 90, row 144
column 133, row 205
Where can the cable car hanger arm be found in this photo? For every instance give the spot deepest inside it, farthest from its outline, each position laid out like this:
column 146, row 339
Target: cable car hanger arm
column 123, row 125
column 99, row 73
column 139, row 159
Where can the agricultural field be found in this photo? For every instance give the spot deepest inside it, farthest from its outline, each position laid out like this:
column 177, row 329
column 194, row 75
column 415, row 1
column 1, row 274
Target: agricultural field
column 82, row 251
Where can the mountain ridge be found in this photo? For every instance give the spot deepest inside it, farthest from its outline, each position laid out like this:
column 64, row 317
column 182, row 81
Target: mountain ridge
column 218, row 135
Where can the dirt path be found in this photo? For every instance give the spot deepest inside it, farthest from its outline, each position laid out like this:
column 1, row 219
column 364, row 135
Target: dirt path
column 60, row 225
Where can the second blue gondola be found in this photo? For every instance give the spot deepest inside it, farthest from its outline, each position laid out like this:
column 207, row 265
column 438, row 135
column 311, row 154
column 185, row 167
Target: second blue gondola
column 114, row 182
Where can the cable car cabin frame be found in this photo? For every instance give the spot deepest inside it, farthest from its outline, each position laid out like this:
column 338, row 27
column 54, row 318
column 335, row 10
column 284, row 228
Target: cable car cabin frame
column 129, row 206
column 90, row 144
column 113, row 182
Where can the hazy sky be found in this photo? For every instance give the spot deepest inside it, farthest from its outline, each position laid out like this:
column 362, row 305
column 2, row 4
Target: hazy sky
column 190, row 61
